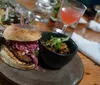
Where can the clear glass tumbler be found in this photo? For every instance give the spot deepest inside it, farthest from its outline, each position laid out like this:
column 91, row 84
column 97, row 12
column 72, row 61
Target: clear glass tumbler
column 43, row 9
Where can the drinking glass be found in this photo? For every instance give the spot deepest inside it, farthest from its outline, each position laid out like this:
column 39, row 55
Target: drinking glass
column 97, row 16
column 43, row 9
column 70, row 12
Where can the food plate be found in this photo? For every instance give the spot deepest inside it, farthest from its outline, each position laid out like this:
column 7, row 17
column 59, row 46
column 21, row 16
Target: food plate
column 71, row 74
column 12, row 12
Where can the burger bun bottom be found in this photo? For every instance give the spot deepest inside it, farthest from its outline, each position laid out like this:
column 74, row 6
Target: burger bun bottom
column 12, row 61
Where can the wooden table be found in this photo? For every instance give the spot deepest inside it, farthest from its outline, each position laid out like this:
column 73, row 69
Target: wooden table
column 91, row 70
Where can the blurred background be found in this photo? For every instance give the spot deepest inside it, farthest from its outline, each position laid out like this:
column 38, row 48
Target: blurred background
column 90, row 12
column 90, row 3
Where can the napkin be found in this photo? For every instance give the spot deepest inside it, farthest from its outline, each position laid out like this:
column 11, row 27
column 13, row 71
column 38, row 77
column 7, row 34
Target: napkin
column 82, row 20
column 89, row 48
column 93, row 25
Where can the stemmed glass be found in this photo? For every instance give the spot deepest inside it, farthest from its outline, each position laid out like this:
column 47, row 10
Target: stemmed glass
column 70, row 12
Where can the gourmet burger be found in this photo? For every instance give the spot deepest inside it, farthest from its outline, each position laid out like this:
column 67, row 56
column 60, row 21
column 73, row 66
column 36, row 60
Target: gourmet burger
column 20, row 47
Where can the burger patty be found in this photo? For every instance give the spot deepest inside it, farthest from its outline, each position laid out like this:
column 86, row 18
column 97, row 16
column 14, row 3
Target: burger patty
column 19, row 55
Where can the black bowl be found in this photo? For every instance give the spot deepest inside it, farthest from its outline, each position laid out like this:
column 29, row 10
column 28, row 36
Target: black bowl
column 53, row 60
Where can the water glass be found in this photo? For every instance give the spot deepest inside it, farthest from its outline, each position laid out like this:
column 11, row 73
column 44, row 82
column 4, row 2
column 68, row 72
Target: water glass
column 43, row 9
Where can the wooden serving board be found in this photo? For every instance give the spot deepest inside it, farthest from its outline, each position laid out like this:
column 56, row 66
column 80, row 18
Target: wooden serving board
column 70, row 74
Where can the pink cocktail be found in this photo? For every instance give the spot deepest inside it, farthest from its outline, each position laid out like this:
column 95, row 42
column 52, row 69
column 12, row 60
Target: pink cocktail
column 70, row 12
column 69, row 15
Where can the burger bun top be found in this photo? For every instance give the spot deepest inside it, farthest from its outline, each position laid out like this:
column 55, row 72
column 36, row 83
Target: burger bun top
column 16, row 33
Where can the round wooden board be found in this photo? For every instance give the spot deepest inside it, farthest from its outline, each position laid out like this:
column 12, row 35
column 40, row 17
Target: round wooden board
column 70, row 74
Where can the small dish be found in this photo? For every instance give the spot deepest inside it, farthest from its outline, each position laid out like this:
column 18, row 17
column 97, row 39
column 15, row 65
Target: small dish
column 53, row 60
